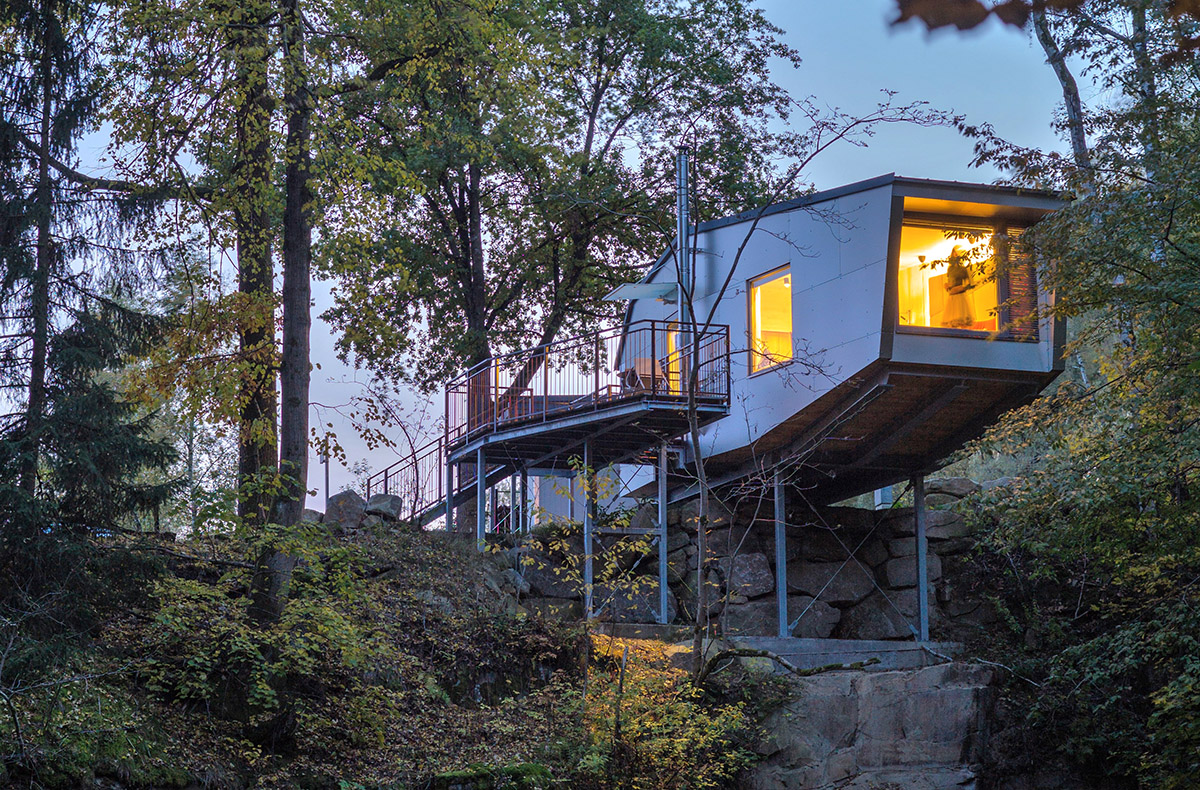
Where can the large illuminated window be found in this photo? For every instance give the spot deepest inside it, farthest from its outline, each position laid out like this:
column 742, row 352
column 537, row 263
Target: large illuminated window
column 770, row 319
column 947, row 278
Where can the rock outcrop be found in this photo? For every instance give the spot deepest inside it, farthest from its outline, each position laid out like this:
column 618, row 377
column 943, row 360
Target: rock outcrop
column 922, row 729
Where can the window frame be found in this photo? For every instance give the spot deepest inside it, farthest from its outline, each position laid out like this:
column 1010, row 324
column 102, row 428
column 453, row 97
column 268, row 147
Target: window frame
column 782, row 270
column 997, row 227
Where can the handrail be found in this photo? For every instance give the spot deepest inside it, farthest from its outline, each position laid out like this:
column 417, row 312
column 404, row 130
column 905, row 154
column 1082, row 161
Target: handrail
column 586, row 372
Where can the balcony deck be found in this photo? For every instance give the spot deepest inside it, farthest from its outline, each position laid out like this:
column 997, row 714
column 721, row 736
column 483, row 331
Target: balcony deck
column 620, row 390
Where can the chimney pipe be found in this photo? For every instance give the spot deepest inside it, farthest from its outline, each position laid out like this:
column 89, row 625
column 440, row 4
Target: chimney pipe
column 681, row 240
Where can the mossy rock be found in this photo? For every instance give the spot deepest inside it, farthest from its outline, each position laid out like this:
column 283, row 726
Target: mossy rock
column 523, row 776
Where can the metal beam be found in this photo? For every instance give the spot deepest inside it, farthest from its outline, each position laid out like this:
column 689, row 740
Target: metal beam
column 918, row 486
column 898, row 429
column 858, row 398
column 780, row 553
column 662, row 534
column 634, row 409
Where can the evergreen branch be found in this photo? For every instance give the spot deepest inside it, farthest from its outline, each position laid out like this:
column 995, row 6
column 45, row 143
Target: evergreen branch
column 162, row 192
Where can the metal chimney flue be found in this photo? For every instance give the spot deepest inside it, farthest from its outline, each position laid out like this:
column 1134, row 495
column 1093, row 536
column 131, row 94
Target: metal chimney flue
column 681, row 236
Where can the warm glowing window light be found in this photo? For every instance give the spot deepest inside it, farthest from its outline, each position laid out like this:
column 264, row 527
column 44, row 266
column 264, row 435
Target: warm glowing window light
column 945, row 278
column 770, row 319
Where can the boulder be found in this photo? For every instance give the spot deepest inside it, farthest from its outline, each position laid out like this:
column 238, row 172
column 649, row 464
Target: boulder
column 553, row 608
column 548, row 578
column 920, row 729
column 999, row 482
column 755, row 618
column 345, row 510
column 677, row 539
column 718, row 514
column 632, row 602
column 939, row 524
column 956, row 487
column 513, row 583
column 947, row 526
column 434, row 601
column 876, row 618
column 645, row 517
column 622, row 553
column 902, row 547
column 902, row 571
column 761, row 618
column 748, row 574
column 311, row 516
column 680, row 564
column 818, row 620
column 834, row 583
column 728, row 541
column 388, row 506
column 873, row 552
column 940, row 500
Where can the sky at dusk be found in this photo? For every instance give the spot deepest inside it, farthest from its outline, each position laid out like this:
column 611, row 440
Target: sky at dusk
column 851, row 52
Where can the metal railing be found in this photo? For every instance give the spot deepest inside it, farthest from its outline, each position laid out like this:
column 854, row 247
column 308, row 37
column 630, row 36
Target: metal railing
column 643, row 360
column 418, row 479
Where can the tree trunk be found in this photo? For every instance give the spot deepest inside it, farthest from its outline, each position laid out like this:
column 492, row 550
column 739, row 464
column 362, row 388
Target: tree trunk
column 1070, row 91
column 252, row 174
column 40, row 298
column 273, row 574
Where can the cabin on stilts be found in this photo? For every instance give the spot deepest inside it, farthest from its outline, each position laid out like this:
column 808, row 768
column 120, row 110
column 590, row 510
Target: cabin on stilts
column 824, row 347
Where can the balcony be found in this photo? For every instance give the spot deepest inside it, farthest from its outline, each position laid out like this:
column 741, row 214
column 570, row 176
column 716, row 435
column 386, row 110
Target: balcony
column 624, row 387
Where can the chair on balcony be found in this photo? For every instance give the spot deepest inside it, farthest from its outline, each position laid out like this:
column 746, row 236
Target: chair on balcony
column 645, row 375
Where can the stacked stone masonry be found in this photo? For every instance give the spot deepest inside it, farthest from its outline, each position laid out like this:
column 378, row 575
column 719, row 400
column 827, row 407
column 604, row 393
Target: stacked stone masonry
column 851, row 573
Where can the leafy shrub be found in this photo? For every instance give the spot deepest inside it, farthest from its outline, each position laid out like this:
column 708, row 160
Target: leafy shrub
column 671, row 734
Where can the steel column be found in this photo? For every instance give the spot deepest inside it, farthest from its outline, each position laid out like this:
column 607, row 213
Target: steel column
column 526, row 522
column 918, row 485
column 587, row 530
column 450, row 525
column 662, row 534
column 780, row 553
column 480, row 499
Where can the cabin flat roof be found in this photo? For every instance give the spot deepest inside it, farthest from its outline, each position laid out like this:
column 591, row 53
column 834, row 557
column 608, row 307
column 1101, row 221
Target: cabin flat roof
column 903, row 186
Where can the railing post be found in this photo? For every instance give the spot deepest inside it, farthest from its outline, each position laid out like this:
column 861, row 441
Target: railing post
column 545, row 380
column 653, row 360
column 596, row 373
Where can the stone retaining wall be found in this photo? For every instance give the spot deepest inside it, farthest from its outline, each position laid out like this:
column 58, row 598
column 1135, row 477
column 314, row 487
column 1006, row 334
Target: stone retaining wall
column 851, row 573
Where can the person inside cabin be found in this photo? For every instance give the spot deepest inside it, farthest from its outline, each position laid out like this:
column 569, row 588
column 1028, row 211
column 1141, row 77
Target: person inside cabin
column 957, row 283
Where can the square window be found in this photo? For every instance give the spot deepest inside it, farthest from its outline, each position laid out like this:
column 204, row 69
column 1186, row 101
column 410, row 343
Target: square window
column 947, row 278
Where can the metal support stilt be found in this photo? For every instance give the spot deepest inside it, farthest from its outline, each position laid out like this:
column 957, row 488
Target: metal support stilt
column 526, row 523
column 480, row 499
column 587, row 530
column 918, row 485
column 780, row 553
column 449, row 497
column 662, row 534
column 493, row 510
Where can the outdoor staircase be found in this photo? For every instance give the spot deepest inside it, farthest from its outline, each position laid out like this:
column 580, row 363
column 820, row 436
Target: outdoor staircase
column 419, row 480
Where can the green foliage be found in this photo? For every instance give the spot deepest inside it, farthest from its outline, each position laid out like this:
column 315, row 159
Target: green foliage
column 670, row 733
column 207, row 650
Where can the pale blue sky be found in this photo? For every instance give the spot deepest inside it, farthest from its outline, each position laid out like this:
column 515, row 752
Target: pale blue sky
column 851, row 53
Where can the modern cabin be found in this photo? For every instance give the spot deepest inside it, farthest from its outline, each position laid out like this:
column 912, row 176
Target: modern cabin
column 874, row 328
column 841, row 342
